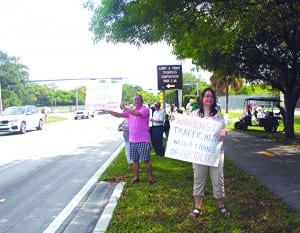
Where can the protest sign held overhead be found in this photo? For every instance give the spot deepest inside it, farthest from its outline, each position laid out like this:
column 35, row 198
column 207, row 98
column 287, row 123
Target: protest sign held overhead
column 101, row 95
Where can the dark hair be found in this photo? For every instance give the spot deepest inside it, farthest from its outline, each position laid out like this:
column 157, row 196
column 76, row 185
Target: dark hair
column 139, row 95
column 213, row 109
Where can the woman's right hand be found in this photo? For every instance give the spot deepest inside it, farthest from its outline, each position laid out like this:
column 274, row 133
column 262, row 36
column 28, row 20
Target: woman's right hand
column 172, row 117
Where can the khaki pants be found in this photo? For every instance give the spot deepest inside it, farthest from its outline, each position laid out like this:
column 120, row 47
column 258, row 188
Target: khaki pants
column 216, row 176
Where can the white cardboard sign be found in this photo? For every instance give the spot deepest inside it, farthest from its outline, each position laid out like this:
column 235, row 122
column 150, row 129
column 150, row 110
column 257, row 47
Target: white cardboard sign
column 103, row 95
column 194, row 139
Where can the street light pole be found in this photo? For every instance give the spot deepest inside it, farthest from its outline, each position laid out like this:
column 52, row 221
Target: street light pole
column 179, row 98
column 0, row 99
column 76, row 96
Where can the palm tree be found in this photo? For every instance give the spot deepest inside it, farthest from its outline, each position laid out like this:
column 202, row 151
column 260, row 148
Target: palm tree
column 221, row 85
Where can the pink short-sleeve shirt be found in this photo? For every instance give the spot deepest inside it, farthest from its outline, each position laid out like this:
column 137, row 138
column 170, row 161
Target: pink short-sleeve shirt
column 138, row 125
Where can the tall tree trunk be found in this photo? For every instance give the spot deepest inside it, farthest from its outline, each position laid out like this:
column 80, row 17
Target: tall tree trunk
column 227, row 92
column 289, row 104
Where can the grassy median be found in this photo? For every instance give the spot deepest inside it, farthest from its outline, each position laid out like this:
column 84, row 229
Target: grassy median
column 53, row 119
column 164, row 207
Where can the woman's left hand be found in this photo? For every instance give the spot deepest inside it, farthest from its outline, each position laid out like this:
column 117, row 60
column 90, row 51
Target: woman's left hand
column 223, row 133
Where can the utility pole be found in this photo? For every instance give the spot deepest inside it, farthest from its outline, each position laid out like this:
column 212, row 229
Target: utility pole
column 0, row 98
column 76, row 95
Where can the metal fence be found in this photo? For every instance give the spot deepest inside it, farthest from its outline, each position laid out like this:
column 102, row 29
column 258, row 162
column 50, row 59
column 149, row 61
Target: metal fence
column 235, row 103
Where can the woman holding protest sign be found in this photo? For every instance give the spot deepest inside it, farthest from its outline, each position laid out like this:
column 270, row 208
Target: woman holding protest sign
column 208, row 109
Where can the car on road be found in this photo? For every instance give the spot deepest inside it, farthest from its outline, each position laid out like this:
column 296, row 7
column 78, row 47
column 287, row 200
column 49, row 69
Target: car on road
column 21, row 118
column 83, row 112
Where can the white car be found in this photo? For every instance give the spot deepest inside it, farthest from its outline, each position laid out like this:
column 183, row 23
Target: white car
column 20, row 119
column 83, row 113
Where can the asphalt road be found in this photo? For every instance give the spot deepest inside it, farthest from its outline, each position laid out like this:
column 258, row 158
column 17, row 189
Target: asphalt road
column 42, row 172
column 274, row 165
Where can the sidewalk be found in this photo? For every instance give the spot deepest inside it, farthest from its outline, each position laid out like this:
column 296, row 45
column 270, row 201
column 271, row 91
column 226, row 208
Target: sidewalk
column 273, row 165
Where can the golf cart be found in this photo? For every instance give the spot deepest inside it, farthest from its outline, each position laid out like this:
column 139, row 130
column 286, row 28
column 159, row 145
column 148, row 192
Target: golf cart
column 259, row 111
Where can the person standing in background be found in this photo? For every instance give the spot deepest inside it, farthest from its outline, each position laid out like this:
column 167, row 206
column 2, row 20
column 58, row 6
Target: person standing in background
column 158, row 130
column 172, row 110
column 167, row 125
column 151, row 111
column 46, row 113
column 124, row 127
column 189, row 106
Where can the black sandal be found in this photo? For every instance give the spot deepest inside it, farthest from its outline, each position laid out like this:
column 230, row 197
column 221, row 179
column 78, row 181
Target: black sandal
column 151, row 182
column 224, row 211
column 135, row 181
column 196, row 212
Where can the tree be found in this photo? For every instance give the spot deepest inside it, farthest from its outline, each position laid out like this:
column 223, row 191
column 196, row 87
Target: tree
column 255, row 89
column 259, row 40
column 222, row 85
column 13, row 80
column 268, row 48
column 128, row 92
column 9, row 98
column 192, row 87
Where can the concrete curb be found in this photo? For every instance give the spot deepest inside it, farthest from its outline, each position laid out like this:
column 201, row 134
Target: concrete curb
column 106, row 216
column 62, row 216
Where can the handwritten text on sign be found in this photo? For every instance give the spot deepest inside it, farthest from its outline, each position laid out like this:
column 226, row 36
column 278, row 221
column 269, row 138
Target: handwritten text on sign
column 195, row 139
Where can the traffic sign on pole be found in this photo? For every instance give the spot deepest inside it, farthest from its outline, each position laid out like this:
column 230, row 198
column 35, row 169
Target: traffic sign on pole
column 169, row 77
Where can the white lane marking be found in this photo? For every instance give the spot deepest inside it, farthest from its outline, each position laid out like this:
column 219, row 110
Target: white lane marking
column 56, row 223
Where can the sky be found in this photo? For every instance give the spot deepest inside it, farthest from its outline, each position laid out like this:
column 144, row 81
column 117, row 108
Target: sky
column 52, row 39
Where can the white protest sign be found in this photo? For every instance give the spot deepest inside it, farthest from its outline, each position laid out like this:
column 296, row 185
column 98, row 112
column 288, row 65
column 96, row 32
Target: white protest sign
column 194, row 139
column 103, row 95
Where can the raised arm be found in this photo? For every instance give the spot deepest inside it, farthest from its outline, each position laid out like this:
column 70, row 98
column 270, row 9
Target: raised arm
column 132, row 111
column 113, row 113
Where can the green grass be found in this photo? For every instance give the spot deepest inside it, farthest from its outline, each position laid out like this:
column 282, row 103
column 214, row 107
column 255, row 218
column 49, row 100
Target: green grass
column 54, row 118
column 234, row 115
column 165, row 206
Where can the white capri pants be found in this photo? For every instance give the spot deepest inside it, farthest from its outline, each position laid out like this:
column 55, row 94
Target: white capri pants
column 216, row 176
